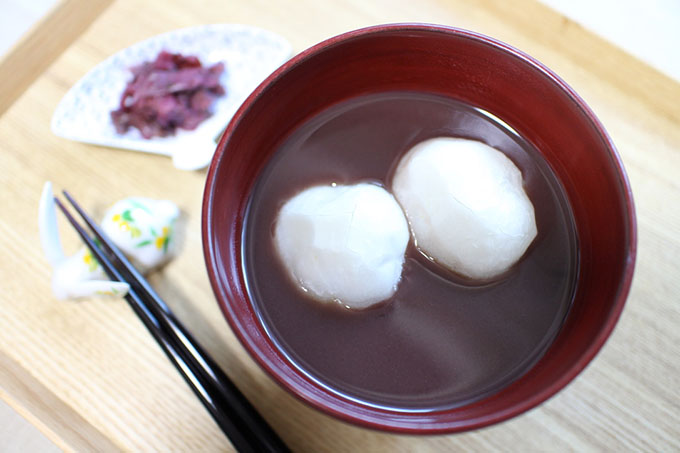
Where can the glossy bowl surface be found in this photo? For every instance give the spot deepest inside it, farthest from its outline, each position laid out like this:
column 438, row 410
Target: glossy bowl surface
column 482, row 72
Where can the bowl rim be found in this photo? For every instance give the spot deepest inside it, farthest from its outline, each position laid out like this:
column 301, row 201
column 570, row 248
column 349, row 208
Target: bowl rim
column 517, row 407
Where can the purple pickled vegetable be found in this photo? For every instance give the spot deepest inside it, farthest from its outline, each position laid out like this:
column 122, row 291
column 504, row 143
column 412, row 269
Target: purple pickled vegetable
column 174, row 91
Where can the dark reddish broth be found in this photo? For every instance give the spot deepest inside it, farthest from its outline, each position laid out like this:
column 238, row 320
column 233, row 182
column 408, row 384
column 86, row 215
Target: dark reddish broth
column 440, row 341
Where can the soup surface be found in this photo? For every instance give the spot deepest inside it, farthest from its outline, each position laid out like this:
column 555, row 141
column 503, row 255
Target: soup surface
column 440, row 341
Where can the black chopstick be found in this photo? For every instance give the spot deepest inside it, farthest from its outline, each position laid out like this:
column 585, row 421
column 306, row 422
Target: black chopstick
column 230, row 409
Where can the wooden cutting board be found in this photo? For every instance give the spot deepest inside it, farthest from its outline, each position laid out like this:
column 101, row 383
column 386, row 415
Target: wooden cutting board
column 90, row 376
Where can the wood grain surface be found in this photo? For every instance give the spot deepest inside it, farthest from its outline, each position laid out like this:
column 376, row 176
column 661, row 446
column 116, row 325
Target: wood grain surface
column 90, row 376
column 47, row 39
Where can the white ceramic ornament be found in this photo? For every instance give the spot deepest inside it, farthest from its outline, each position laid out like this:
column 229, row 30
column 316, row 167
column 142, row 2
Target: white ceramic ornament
column 141, row 227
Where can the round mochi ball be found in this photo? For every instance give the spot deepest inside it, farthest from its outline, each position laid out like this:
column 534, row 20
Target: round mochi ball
column 466, row 206
column 343, row 243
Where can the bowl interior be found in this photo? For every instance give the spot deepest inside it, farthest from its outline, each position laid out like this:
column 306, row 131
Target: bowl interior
column 473, row 69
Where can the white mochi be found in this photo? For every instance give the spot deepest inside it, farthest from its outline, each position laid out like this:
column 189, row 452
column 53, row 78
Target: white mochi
column 466, row 205
column 343, row 243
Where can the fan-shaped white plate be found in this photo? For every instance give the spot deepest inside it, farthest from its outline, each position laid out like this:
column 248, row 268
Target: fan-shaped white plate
column 250, row 54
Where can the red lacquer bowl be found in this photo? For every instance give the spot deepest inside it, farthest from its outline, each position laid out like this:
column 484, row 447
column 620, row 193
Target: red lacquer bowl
column 474, row 69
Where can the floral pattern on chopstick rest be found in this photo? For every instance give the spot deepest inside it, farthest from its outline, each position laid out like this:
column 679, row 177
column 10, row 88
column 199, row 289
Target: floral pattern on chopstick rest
column 142, row 228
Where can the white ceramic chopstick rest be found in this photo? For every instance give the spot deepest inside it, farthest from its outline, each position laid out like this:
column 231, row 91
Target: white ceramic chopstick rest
column 141, row 227
column 76, row 276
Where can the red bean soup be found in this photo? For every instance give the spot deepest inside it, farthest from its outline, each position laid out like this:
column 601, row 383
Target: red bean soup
column 441, row 340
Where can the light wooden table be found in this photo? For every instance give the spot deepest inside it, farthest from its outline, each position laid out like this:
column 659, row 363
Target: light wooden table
column 90, row 376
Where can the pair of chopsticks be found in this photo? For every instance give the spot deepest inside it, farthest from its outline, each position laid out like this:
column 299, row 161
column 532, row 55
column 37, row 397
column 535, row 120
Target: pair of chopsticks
column 233, row 413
